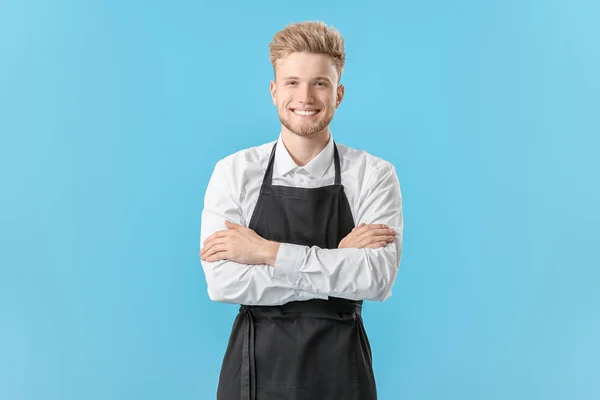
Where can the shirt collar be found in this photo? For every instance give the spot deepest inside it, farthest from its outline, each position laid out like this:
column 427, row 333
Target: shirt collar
column 316, row 167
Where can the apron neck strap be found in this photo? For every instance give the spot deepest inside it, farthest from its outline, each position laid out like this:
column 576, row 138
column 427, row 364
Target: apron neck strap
column 268, row 178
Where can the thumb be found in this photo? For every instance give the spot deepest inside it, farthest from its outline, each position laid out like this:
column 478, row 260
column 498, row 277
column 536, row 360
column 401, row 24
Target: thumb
column 231, row 225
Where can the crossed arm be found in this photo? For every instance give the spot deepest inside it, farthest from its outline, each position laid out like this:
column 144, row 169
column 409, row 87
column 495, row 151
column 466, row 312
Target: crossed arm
column 243, row 268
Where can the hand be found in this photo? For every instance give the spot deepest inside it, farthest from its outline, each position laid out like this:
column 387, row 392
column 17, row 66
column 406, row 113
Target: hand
column 369, row 236
column 239, row 244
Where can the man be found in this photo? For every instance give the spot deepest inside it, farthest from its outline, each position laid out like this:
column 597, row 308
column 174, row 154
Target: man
column 279, row 237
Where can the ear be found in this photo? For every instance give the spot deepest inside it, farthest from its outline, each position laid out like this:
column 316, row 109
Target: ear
column 273, row 90
column 339, row 96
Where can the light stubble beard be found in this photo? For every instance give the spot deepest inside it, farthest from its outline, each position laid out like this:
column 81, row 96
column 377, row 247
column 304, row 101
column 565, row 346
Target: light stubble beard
column 307, row 130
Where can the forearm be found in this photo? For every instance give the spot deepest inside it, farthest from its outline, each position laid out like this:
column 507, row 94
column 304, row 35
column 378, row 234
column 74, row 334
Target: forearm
column 239, row 268
column 232, row 282
column 358, row 274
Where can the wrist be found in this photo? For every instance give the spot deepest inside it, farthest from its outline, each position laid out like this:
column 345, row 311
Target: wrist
column 270, row 252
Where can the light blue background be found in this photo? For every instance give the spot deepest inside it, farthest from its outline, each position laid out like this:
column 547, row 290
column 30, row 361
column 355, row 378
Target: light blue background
column 113, row 114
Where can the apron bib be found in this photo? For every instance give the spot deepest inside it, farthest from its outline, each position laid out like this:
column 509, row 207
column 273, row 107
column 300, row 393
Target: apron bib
column 301, row 350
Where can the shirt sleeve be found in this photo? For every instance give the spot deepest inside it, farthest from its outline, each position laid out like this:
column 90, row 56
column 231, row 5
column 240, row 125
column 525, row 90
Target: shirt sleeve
column 357, row 274
column 229, row 281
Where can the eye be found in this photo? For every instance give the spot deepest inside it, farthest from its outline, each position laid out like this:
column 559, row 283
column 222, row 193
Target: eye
column 291, row 83
column 321, row 83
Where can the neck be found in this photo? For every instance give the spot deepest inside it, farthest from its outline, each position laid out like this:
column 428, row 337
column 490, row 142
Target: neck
column 303, row 149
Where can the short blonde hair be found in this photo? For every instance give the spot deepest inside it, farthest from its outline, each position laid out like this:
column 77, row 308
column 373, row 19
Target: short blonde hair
column 310, row 37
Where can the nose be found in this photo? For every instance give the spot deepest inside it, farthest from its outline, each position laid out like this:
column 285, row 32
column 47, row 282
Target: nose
column 305, row 94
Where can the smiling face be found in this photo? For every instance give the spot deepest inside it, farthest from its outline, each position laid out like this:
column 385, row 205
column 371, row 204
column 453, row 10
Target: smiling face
column 306, row 93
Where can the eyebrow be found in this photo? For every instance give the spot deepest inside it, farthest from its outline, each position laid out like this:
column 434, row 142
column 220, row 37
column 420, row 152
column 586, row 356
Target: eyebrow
column 318, row 78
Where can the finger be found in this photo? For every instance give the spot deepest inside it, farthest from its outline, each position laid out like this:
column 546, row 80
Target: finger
column 377, row 226
column 208, row 245
column 231, row 225
column 369, row 230
column 374, row 239
column 377, row 232
column 222, row 255
column 362, row 228
column 215, row 235
column 212, row 244
column 213, row 250
column 353, row 237
column 370, row 240
column 222, row 241
column 375, row 245
column 369, row 227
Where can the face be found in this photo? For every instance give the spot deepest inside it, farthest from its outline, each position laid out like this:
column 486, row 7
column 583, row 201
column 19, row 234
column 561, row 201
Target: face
column 306, row 93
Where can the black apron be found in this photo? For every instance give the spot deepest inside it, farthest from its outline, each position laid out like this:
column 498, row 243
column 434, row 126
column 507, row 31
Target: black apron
column 301, row 350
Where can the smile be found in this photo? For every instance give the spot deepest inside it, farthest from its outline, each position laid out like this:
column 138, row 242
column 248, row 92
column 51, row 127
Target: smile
column 305, row 113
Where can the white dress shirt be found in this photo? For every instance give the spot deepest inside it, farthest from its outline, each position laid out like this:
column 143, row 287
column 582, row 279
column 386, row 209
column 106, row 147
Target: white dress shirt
column 302, row 272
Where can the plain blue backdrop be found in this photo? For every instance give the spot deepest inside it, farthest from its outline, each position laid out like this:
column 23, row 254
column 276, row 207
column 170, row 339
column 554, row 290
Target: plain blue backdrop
column 113, row 114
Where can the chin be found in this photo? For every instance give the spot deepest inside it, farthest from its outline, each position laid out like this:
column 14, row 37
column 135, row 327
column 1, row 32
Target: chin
column 304, row 134
column 305, row 129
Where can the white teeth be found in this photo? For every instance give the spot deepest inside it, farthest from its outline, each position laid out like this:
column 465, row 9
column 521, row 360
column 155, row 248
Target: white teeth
column 299, row 112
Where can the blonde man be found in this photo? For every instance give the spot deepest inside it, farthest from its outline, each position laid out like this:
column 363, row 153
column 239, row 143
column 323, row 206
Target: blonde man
column 299, row 231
